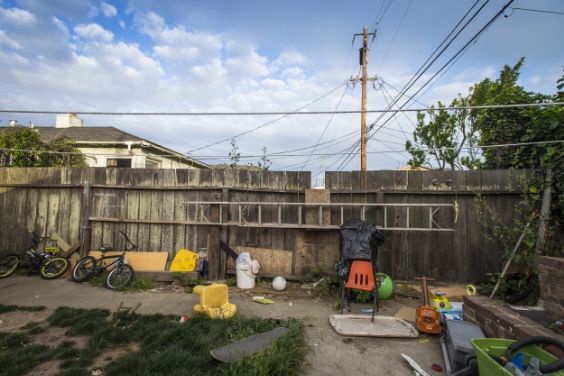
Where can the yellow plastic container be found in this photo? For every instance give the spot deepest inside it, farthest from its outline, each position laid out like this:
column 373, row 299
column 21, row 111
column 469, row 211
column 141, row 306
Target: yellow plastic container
column 440, row 301
column 214, row 301
column 184, row 261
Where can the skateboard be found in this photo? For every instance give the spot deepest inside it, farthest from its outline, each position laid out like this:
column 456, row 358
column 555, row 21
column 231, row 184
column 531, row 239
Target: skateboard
column 247, row 346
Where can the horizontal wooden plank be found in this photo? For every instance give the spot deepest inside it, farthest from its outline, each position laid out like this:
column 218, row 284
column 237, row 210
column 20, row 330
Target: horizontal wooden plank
column 140, row 261
column 165, row 276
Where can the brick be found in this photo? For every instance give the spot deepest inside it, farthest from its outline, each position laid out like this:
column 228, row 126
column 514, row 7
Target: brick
column 556, row 262
column 502, row 333
column 544, row 287
column 469, row 319
column 543, row 278
column 509, row 322
column 542, row 269
column 469, row 312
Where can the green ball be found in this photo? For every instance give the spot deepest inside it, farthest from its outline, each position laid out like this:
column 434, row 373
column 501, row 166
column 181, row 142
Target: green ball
column 386, row 286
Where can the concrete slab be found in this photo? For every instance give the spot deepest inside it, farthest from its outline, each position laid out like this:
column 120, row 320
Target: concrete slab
column 332, row 354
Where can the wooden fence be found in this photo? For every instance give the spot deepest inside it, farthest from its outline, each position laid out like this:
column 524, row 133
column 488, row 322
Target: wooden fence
column 151, row 206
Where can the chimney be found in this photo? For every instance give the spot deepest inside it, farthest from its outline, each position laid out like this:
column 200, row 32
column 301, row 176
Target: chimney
column 13, row 123
column 68, row 120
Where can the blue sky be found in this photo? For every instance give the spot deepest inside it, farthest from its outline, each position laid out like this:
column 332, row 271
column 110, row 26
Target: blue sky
column 257, row 56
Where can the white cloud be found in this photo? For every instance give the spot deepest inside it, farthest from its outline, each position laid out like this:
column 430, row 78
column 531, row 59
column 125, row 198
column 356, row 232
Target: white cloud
column 94, row 31
column 122, row 24
column 4, row 40
column 108, row 9
column 16, row 16
column 273, row 84
column 290, row 58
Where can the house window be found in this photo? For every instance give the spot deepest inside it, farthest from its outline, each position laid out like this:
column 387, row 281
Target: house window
column 119, row 162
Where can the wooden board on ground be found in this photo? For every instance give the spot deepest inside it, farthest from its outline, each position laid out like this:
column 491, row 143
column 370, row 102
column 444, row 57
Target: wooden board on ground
column 140, row 261
column 271, row 261
column 247, row 346
column 383, row 326
column 406, row 313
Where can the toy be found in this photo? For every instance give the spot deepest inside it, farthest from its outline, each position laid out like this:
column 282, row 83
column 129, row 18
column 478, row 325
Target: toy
column 386, row 287
column 427, row 318
column 214, row 301
column 184, row 261
column 440, row 301
column 279, row 284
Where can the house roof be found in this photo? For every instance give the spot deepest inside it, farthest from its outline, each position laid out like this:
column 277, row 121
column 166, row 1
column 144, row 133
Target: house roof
column 107, row 136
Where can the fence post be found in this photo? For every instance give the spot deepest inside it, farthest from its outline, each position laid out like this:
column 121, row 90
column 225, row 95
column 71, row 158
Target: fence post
column 214, row 250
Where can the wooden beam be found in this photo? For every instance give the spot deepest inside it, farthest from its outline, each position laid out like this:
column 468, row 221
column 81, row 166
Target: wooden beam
column 214, row 250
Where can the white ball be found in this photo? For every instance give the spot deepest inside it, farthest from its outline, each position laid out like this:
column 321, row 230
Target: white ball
column 279, row 284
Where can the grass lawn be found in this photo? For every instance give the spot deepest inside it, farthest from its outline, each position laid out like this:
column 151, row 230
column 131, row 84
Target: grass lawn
column 152, row 345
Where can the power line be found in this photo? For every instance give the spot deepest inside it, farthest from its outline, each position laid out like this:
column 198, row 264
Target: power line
column 327, row 126
column 532, row 10
column 396, row 33
column 285, row 112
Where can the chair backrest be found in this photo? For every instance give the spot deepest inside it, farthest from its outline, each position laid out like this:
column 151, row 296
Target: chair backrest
column 361, row 276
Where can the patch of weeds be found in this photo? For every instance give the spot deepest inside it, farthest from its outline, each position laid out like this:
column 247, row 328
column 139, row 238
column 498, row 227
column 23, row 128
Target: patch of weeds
column 81, row 321
column 21, row 271
column 231, row 281
column 22, row 360
column 34, row 328
column 13, row 340
column 37, row 330
column 187, row 282
column 11, row 308
column 98, row 280
column 108, row 358
column 29, row 325
column 139, row 284
column 66, row 350
column 325, row 281
column 363, row 296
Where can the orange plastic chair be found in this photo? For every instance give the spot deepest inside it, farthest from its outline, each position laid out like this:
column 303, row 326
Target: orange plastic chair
column 361, row 277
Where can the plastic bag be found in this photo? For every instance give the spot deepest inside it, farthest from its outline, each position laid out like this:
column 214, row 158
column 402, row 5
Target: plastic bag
column 255, row 267
column 244, row 258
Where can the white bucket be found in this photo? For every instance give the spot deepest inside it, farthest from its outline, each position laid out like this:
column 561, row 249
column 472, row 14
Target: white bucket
column 245, row 278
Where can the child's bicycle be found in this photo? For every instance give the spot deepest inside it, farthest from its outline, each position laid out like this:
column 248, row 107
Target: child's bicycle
column 120, row 276
column 48, row 264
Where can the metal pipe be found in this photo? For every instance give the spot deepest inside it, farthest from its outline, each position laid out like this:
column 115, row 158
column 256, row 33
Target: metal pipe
column 445, row 355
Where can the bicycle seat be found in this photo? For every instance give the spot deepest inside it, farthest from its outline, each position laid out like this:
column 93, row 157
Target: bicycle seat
column 106, row 249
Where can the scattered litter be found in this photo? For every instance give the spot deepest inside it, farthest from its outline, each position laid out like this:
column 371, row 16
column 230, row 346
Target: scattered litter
column 156, row 290
column 262, row 300
column 424, row 341
column 367, row 310
column 37, row 296
column 184, row 318
column 97, row 372
column 1, row 322
column 290, row 303
column 415, row 366
column 307, row 286
column 437, row 367
column 318, row 282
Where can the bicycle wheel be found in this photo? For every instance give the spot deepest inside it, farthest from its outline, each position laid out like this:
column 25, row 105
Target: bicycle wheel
column 54, row 268
column 120, row 276
column 9, row 264
column 83, row 269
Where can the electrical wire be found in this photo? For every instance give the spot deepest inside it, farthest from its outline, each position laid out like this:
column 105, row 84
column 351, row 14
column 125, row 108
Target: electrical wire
column 396, row 33
column 533, row 10
column 327, row 126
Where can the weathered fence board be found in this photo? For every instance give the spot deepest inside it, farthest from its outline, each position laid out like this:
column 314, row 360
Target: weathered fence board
column 51, row 200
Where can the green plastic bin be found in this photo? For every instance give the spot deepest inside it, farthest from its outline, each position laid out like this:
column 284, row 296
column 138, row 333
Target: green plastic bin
column 496, row 346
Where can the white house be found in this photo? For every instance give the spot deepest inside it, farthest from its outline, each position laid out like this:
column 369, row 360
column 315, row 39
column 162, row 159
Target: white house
column 111, row 147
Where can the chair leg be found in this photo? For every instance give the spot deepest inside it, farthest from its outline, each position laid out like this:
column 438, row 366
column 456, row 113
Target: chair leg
column 375, row 304
column 377, row 301
column 343, row 300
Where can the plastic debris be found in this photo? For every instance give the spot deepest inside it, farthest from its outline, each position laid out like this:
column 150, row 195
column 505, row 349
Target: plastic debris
column 97, row 372
column 184, row 318
column 262, row 300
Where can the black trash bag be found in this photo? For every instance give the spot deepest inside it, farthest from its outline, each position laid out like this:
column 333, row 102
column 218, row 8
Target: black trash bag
column 343, row 268
column 360, row 240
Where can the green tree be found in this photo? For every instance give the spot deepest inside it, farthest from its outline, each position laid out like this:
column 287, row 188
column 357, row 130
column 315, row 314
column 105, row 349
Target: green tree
column 22, row 147
column 443, row 137
column 234, row 154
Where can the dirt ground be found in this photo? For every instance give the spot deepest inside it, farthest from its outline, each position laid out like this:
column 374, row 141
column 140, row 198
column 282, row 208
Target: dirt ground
column 332, row 353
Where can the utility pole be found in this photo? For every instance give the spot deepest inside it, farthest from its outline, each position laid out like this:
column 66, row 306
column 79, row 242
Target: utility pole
column 363, row 61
